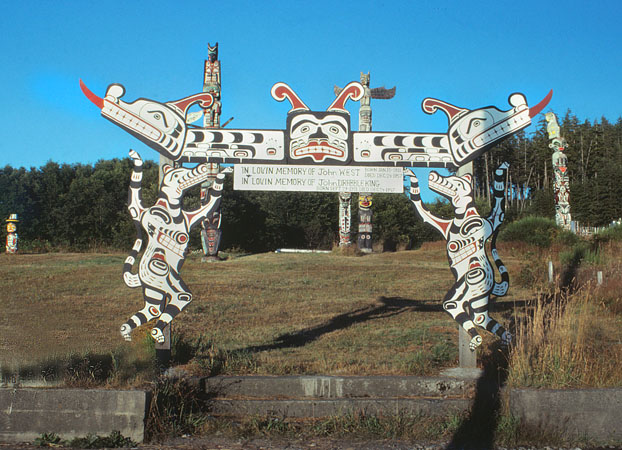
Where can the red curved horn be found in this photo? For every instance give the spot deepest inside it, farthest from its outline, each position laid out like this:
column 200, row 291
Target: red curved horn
column 535, row 110
column 98, row 101
column 431, row 105
column 353, row 90
column 205, row 98
column 281, row 91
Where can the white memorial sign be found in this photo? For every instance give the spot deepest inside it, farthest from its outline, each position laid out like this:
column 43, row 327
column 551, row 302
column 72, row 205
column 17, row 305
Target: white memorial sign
column 264, row 177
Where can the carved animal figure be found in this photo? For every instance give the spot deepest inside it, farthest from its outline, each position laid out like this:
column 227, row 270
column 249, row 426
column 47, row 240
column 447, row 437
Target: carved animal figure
column 466, row 235
column 167, row 226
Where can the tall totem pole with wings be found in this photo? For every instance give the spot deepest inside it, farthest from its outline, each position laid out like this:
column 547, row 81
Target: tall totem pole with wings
column 365, row 199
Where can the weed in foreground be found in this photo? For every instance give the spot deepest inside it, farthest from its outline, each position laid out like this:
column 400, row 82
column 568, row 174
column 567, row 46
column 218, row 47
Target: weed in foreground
column 47, row 440
column 354, row 425
column 114, row 440
column 177, row 407
column 511, row 432
column 567, row 340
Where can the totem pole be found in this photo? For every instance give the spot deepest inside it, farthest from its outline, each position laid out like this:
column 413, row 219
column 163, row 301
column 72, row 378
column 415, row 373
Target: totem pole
column 11, row 237
column 345, row 217
column 561, row 185
column 210, row 227
column 365, row 199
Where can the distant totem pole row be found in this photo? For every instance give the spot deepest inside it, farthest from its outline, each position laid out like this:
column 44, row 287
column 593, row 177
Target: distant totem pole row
column 561, row 184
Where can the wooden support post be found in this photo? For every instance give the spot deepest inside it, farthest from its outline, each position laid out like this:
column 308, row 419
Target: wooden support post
column 163, row 351
column 551, row 272
column 467, row 357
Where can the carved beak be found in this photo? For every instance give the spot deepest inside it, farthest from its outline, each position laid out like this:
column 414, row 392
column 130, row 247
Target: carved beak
column 535, row 110
column 97, row 101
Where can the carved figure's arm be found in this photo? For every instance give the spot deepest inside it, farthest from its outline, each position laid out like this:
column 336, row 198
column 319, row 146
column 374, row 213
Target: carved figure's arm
column 499, row 187
column 215, row 196
column 442, row 225
column 135, row 197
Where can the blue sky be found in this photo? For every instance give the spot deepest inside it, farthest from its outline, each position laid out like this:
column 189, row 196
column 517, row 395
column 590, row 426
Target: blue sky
column 471, row 54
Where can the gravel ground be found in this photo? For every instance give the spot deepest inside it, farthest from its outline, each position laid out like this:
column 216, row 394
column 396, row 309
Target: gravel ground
column 222, row 443
column 206, row 443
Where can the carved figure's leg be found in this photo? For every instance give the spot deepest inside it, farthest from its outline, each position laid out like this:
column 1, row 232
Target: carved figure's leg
column 154, row 300
column 180, row 298
column 481, row 317
column 456, row 303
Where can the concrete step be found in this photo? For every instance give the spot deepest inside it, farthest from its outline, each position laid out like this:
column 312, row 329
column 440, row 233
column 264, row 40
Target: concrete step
column 336, row 387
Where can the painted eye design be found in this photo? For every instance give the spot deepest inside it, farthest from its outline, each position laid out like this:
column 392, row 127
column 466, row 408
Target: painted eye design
column 157, row 115
column 154, row 115
column 334, row 130
column 305, row 129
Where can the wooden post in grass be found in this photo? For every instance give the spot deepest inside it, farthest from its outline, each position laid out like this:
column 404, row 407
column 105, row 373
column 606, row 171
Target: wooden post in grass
column 467, row 358
column 163, row 351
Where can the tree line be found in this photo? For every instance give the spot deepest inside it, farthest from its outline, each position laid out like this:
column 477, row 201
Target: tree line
column 82, row 206
column 594, row 168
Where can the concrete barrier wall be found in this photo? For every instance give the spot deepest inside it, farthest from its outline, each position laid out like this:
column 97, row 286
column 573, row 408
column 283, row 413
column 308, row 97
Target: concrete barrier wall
column 25, row 414
column 595, row 413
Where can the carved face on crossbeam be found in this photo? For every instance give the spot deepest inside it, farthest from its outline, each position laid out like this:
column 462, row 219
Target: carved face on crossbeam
column 315, row 137
column 319, row 136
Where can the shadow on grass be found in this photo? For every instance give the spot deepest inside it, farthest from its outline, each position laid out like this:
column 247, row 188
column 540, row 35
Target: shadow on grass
column 477, row 431
column 389, row 306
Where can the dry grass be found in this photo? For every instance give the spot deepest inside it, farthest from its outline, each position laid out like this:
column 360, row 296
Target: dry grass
column 335, row 313
column 574, row 339
column 58, row 303
column 265, row 314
